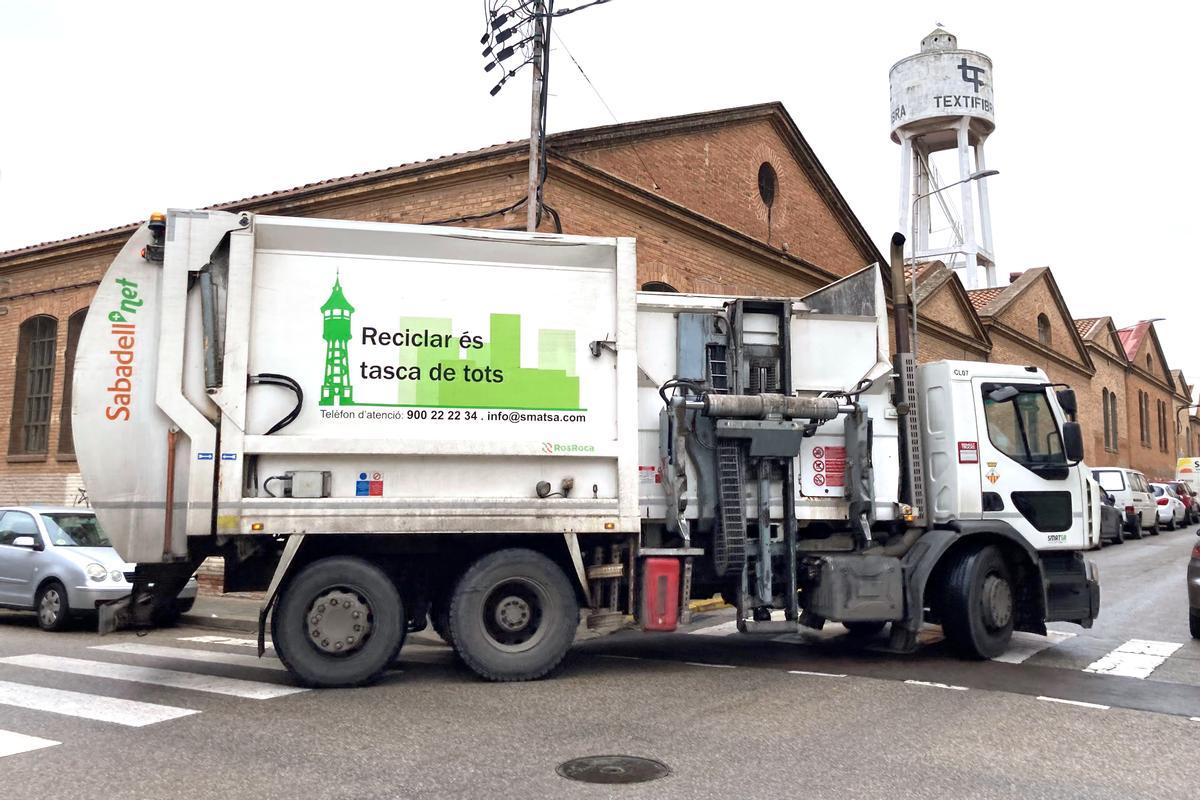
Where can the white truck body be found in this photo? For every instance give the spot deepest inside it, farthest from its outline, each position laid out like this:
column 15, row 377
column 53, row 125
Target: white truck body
column 381, row 419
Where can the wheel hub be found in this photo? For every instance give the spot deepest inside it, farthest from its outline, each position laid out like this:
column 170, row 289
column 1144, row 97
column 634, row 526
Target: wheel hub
column 512, row 613
column 997, row 602
column 339, row 621
column 50, row 607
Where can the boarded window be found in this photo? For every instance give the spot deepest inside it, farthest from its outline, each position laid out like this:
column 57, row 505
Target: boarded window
column 66, row 440
column 33, row 392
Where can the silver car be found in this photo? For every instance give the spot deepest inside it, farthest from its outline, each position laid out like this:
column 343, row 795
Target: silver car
column 58, row 562
column 1193, row 581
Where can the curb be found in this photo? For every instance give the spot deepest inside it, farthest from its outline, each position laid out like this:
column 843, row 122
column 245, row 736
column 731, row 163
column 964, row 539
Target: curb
column 219, row 623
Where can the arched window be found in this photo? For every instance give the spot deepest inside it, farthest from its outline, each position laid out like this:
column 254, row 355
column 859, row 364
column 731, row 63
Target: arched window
column 658, row 286
column 1149, row 363
column 1043, row 323
column 1105, row 402
column 66, row 438
column 1112, row 410
column 33, row 388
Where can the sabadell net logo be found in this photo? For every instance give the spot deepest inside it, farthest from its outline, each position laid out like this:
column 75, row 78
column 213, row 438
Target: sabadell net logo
column 552, row 449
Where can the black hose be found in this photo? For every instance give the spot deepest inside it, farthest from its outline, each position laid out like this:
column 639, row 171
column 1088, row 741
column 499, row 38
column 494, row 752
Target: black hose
column 275, row 379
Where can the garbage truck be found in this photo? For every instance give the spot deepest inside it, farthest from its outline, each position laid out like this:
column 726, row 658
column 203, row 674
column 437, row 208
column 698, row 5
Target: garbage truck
column 385, row 426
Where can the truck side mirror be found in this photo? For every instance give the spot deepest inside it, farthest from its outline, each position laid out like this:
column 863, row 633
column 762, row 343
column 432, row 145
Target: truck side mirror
column 26, row 541
column 1066, row 399
column 1072, row 434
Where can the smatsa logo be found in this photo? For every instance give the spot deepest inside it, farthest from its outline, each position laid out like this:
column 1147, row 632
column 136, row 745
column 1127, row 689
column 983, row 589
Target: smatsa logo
column 124, row 333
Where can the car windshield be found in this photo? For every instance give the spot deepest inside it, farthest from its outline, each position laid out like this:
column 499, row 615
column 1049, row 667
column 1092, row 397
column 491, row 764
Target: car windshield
column 75, row 530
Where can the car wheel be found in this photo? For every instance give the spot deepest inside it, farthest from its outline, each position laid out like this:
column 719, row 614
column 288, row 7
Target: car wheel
column 1137, row 532
column 53, row 610
column 1120, row 537
column 978, row 604
column 185, row 606
column 1194, row 622
column 1171, row 525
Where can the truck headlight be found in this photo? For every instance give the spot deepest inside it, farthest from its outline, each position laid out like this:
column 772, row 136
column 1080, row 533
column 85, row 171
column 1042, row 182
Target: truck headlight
column 96, row 572
column 116, row 576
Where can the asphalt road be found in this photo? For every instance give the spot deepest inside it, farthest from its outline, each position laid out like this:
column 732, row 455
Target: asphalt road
column 803, row 716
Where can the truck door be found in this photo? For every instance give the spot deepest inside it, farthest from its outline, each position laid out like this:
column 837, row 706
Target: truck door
column 1022, row 460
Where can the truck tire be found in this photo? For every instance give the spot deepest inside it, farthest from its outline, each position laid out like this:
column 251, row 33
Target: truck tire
column 53, row 610
column 339, row 622
column 977, row 604
column 513, row 615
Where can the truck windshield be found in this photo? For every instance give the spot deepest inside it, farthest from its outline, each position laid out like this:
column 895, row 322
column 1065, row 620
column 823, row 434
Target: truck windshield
column 75, row 530
column 1022, row 425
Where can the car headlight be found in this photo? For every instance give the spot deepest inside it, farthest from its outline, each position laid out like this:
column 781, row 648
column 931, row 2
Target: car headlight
column 96, row 572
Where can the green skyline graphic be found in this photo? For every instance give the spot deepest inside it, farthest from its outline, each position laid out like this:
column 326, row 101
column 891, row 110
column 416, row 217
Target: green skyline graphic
column 552, row 385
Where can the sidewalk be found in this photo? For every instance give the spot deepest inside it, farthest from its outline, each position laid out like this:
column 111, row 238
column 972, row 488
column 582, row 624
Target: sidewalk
column 239, row 612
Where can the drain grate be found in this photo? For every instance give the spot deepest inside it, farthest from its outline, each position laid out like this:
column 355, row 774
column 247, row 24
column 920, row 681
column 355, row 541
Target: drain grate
column 613, row 769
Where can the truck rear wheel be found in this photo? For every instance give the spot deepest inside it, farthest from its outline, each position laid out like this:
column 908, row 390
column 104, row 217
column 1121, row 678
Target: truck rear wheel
column 339, row 622
column 978, row 604
column 513, row 615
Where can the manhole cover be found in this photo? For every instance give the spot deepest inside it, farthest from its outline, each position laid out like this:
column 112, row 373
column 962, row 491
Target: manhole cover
column 613, row 769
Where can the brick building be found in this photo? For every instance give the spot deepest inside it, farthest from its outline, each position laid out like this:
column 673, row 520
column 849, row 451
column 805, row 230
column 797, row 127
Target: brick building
column 730, row 201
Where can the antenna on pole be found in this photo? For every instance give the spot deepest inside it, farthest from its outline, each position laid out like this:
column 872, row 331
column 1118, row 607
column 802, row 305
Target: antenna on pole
column 524, row 27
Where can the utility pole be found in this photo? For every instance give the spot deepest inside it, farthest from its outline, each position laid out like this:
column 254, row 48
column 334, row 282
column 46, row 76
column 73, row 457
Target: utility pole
column 532, row 206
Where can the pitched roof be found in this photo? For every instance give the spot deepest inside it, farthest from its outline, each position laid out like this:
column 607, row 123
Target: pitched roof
column 981, row 298
column 565, row 140
column 1084, row 326
column 1131, row 338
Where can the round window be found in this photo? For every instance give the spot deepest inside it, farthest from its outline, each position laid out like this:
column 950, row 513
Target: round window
column 768, row 182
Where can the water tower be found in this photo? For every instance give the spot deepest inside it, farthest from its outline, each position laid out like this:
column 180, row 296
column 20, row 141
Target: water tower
column 942, row 100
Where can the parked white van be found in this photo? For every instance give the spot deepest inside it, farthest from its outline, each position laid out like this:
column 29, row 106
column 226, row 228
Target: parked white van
column 1133, row 495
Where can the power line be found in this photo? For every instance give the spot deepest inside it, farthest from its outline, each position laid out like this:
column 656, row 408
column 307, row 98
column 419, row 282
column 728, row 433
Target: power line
column 603, row 102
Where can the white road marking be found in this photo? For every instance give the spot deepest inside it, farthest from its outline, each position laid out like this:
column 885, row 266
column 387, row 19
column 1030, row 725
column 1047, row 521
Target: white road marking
column 185, row 654
column 1137, row 658
column 132, row 713
column 724, row 629
column 233, row 687
column 230, row 640
column 1025, row 645
column 935, row 685
column 12, row 743
column 1194, row 719
column 1079, row 703
column 816, row 674
column 713, row 666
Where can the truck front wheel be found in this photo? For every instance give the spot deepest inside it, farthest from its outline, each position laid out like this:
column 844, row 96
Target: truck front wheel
column 978, row 604
column 513, row 615
column 339, row 622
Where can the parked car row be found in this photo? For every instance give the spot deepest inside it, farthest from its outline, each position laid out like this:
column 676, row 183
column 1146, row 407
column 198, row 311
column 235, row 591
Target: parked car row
column 57, row 562
column 1144, row 507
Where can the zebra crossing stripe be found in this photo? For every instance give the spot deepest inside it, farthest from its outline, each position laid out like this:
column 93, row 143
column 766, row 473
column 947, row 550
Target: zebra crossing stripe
column 187, row 654
column 233, row 687
column 230, row 640
column 132, row 713
column 12, row 743
column 1137, row 658
column 1026, row 645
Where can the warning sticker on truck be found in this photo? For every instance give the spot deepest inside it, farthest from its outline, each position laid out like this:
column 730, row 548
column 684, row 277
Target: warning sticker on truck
column 823, row 468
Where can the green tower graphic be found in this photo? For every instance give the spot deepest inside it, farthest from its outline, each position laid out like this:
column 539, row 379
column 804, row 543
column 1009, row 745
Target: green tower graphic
column 336, row 390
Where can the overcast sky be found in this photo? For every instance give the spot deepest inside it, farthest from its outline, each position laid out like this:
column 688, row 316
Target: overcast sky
column 115, row 109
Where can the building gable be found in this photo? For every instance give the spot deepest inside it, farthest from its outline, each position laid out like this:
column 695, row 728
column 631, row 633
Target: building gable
column 1145, row 352
column 748, row 169
column 941, row 300
column 1032, row 308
